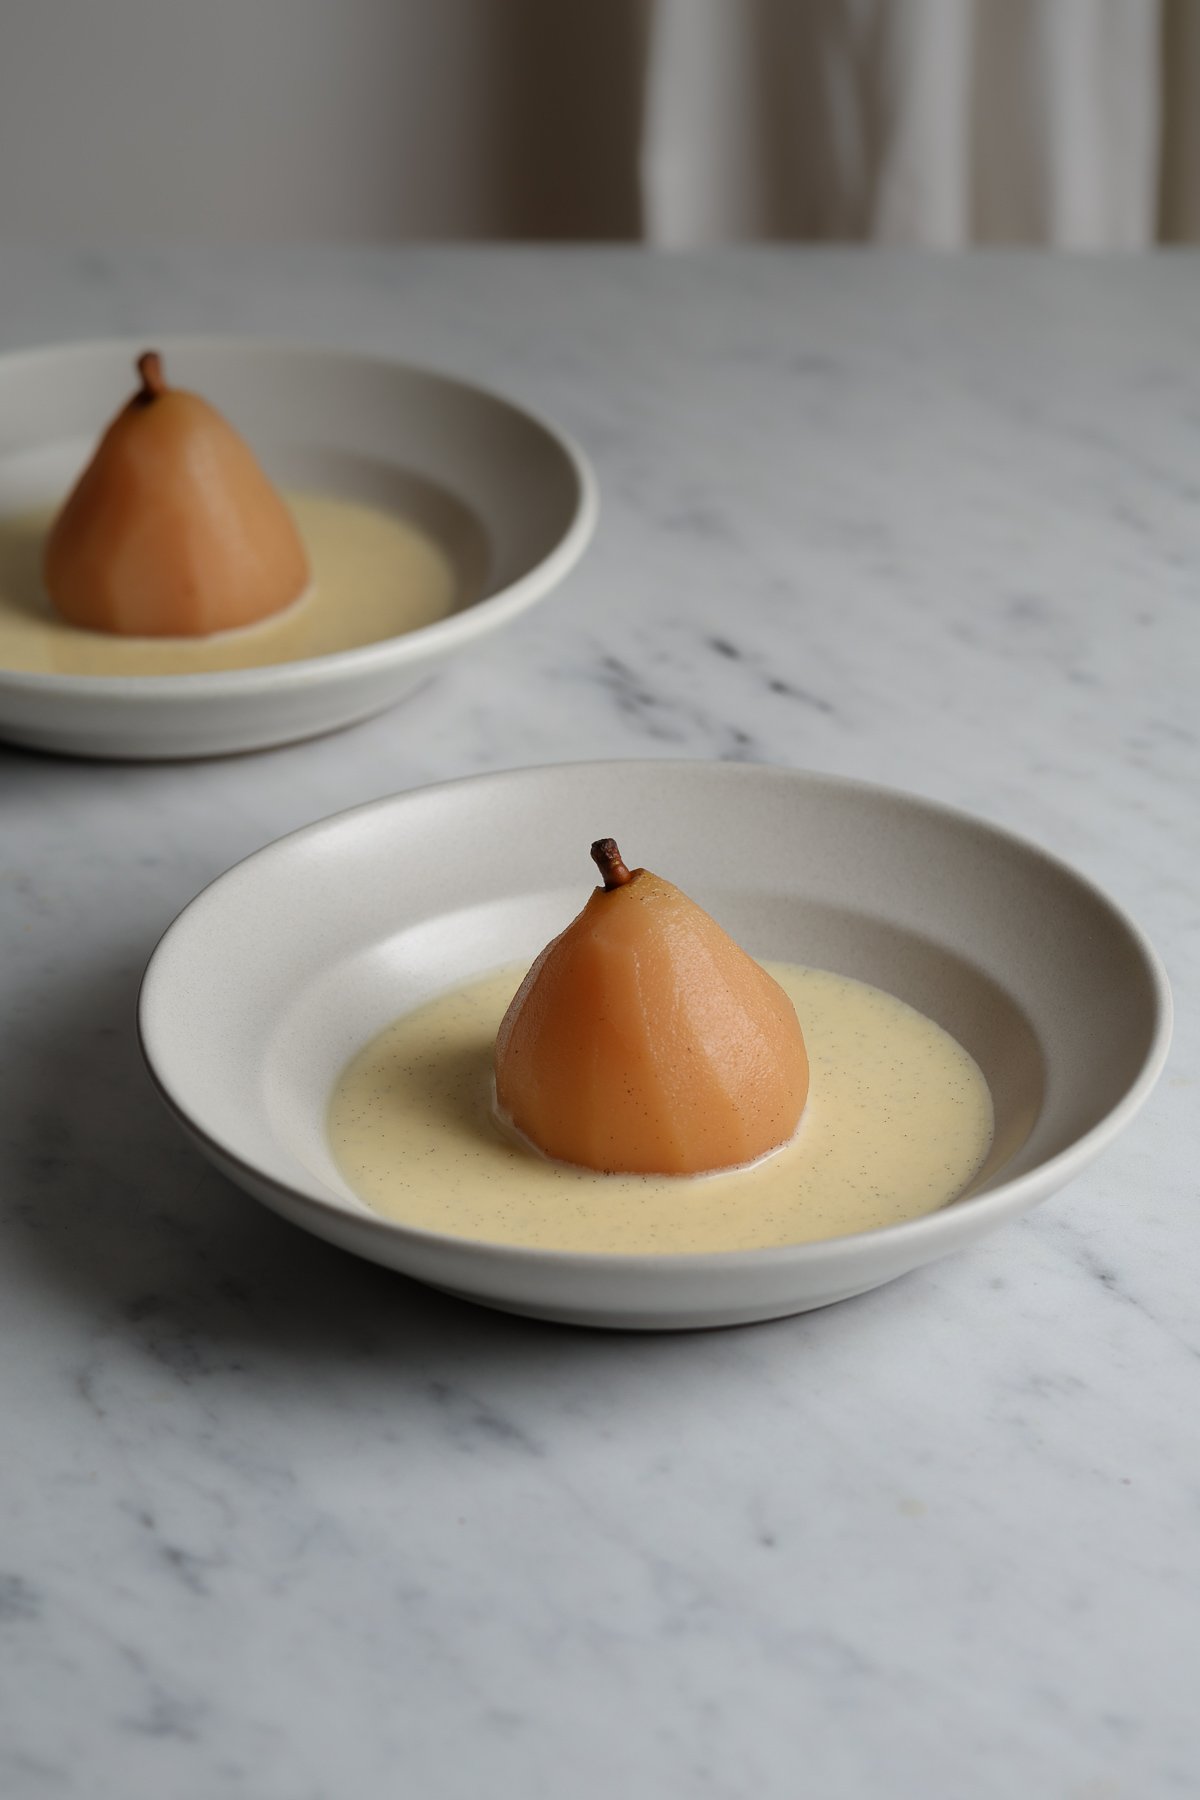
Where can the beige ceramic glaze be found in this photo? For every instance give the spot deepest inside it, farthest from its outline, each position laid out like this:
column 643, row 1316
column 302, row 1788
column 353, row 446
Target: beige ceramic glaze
column 275, row 977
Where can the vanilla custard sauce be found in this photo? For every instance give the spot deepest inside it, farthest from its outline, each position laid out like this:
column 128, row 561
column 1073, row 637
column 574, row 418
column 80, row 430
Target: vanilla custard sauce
column 898, row 1120
column 374, row 575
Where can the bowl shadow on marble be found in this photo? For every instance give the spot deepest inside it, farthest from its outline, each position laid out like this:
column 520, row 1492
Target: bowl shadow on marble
column 121, row 1219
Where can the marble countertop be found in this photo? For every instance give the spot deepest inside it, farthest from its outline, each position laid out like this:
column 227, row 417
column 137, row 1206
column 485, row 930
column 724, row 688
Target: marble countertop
column 276, row 1524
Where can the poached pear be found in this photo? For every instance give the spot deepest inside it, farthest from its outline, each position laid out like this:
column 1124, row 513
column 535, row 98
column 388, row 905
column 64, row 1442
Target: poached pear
column 643, row 1040
column 173, row 529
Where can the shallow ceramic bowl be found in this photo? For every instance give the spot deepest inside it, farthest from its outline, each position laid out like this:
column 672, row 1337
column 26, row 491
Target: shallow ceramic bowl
column 268, row 983
column 510, row 500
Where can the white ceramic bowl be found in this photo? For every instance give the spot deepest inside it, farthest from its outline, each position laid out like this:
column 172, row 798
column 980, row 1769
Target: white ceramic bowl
column 512, row 502
column 268, row 983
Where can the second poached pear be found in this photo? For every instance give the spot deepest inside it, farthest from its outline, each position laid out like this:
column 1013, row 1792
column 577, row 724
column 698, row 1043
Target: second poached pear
column 173, row 529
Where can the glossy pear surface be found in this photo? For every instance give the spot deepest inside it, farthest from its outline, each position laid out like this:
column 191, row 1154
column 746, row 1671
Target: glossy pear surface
column 173, row 529
column 643, row 1040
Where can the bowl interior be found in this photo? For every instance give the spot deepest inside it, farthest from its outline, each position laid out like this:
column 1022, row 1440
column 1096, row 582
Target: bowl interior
column 487, row 481
column 272, row 980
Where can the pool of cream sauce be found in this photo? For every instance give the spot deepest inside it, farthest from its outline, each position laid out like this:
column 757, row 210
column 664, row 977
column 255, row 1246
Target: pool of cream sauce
column 898, row 1120
column 375, row 575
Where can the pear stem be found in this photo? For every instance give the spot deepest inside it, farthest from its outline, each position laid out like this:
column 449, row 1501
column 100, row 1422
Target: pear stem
column 608, row 860
column 154, row 385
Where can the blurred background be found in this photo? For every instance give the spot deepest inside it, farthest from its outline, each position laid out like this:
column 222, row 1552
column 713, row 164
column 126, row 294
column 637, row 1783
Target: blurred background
column 674, row 122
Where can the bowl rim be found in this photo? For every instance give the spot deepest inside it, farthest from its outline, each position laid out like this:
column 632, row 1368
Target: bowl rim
column 1006, row 1198
column 410, row 647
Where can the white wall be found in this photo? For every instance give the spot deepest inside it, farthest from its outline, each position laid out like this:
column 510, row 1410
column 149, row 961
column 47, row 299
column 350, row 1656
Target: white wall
column 336, row 119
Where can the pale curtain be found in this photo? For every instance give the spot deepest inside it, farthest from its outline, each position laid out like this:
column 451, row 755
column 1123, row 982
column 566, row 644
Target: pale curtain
column 935, row 122
column 941, row 122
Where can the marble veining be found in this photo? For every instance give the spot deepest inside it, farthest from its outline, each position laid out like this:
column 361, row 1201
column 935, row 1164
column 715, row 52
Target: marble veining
column 277, row 1525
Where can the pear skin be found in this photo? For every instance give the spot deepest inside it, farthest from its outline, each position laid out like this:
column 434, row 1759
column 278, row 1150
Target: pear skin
column 173, row 529
column 643, row 1040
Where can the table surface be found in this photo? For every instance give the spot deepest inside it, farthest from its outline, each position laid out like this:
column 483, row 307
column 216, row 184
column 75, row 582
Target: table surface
column 277, row 1524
